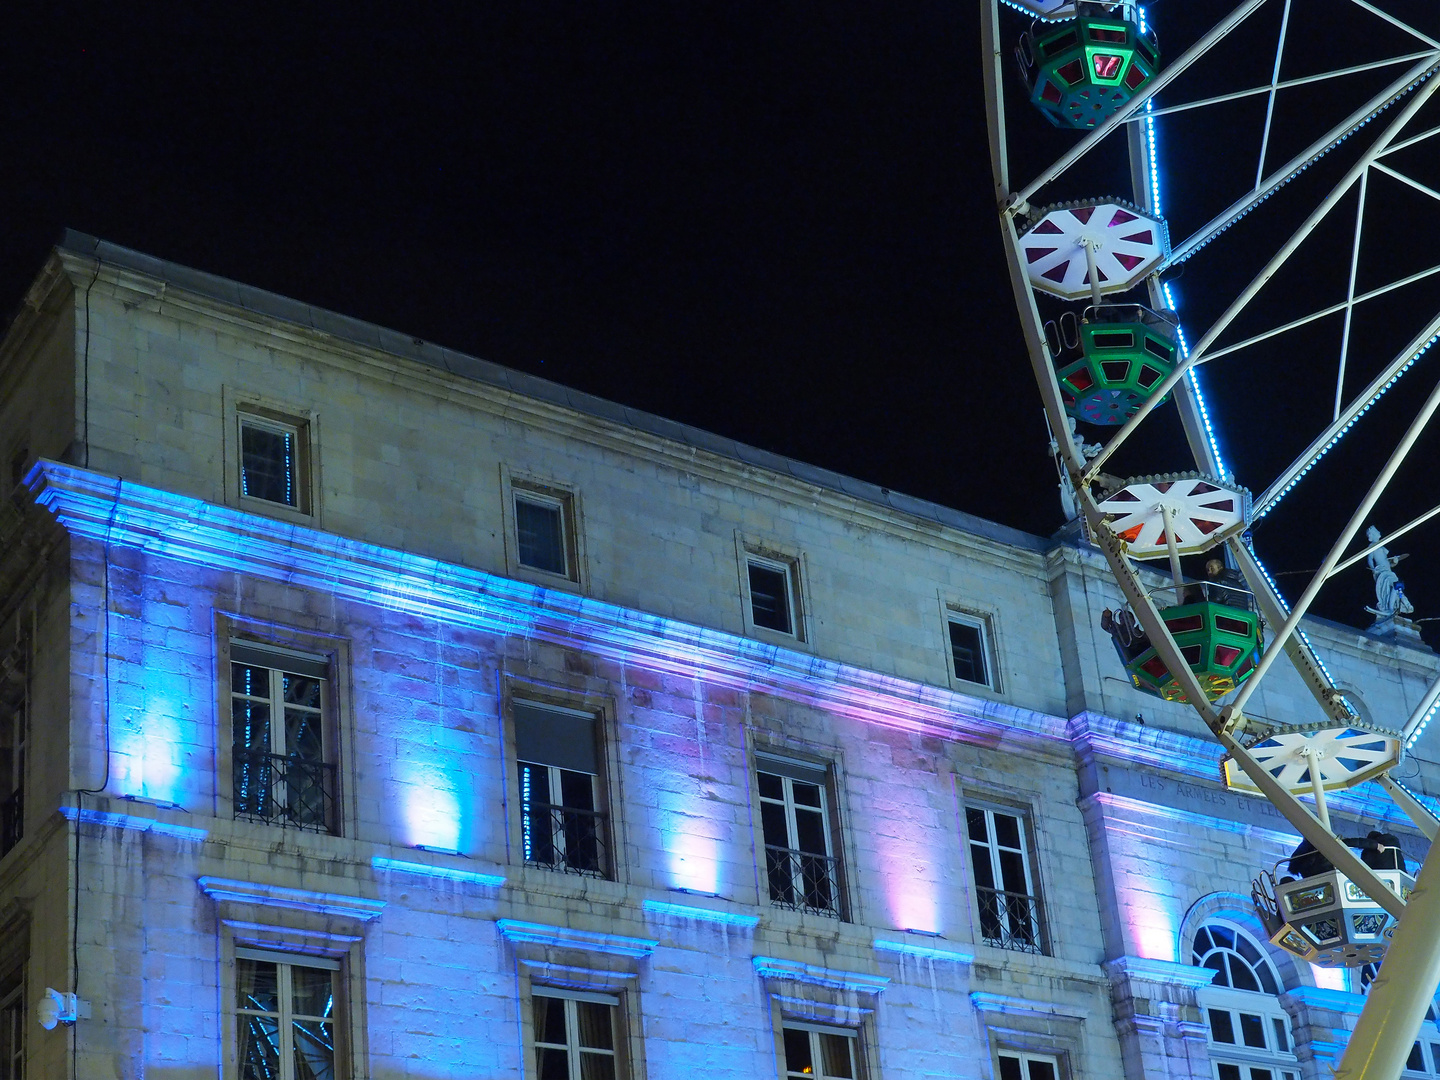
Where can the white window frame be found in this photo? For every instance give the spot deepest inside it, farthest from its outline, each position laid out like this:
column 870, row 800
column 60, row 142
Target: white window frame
column 1024, row 1058
column 285, row 1016
column 771, row 765
column 851, row 1035
column 276, row 666
column 572, row 1046
column 992, row 849
column 981, row 624
column 563, row 505
column 299, row 432
column 1282, row 1063
column 786, row 570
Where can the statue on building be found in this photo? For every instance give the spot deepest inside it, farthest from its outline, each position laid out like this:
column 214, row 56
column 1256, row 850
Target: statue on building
column 1088, row 451
column 1390, row 598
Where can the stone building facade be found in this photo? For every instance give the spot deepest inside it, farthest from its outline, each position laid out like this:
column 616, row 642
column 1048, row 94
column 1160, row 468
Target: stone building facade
column 373, row 711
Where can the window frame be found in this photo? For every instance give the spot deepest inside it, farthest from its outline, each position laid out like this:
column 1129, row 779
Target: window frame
column 1025, row 1057
column 285, row 963
column 540, row 491
column 242, row 405
column 1029, row 863
column 791, row 565
column 984, row 620
column 16, row 719
column 1283, row 1064
column 338, row 722
column 823, row 776
column 618, row 1028
column 602, row 783
column 854, row 1036
column 13, row 1016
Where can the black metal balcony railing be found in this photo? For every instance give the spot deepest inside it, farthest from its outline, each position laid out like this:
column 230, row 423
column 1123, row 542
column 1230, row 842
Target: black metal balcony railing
column 564, row 838
column 1010, row 921
column 803, row 881
column 12, row 820
column 294, row 792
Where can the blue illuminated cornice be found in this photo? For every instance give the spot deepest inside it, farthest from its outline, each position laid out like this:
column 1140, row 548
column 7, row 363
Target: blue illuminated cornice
column 686, row 911
column 164, row 524
column 924, row 952
column 450, row 873
column 769, row 968
column 135, row 823
column 335, row 905
column 1014, row 1006
column 563, row 937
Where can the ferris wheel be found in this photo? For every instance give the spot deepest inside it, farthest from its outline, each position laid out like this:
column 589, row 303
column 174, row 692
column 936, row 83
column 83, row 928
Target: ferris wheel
column 1305, row 217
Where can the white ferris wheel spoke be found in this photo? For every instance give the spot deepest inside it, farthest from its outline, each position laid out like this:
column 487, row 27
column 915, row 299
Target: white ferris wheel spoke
column 1396, row 22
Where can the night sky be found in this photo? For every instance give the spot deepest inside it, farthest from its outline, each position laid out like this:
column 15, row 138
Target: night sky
column 774, row 222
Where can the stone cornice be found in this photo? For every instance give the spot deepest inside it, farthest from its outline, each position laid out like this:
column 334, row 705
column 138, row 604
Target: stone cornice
column 333, row 905
column 105, row 509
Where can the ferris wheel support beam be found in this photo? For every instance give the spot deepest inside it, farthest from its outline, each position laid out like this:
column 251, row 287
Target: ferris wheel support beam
column 1283, row 175
column 1298, row 237
column 992, row 65
column 1367, row 504
column 1422, row 710
column 1414, row 809
column 1396, row 1002
column 1363, row 552
column 1306, row 664
column 1020, row 199
column 1358, row 405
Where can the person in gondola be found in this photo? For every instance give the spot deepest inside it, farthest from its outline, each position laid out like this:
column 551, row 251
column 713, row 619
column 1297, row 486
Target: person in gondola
column 1382, row 852
column 1127, row 633
column 1379, row 851
column 1224, row 585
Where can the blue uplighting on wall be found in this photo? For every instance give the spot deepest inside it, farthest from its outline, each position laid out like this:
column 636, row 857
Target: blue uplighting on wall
column 687, row 911
column 451, row 873
column 565, row 937
column 924, row 952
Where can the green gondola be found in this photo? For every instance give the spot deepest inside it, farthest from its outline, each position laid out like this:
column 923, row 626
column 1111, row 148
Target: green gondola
column 1082, row 70
column 1127, row 350
column 1220, row 643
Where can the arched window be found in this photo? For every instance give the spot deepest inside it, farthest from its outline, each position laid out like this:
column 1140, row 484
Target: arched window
column 1249, row 1031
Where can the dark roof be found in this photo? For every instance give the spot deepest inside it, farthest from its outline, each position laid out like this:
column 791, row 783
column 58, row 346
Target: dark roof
column 272, row 305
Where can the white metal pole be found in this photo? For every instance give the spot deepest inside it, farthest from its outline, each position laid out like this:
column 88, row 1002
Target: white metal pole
column 1232, row 312
column 1361, row 512
column 1396, row 1002
column 1317, row 787
column 1168, row 513
column 1414, row 809
column 1350, row 294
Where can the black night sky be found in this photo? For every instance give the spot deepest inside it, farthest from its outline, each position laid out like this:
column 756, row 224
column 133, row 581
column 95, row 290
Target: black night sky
column 773, row 221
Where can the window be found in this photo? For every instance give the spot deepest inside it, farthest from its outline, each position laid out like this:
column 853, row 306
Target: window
column 275, row 460
column 1004, row 884
column 285, row 1016
column 970, row 656
column 772, row 595
column 576, row 1036
column 544, row 530
column 558, row 764
column 14, row 740
column 1249, row 1031
column 820, row 1052
column 283, row 766
column 1017, row 1066
column 800, row 864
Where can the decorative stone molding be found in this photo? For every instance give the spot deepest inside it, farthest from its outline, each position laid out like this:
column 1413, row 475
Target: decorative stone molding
column 820, row 995
column 332, row 905
column 292, row 920
column 575, row 959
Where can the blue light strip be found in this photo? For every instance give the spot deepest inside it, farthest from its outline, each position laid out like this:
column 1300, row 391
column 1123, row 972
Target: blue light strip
column 473, row 877
column 1415, row 735
column 925, row 952
column 134, row 822
column 685, row 911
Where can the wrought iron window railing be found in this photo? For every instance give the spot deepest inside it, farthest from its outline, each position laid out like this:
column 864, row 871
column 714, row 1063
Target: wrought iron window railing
column 564, row 838
column 803, row 881
column 12, row 819
column 285, row 790
column 1010, row 921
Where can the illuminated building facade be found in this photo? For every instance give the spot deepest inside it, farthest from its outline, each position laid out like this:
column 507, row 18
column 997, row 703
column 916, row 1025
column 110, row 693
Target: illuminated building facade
column 373, row 711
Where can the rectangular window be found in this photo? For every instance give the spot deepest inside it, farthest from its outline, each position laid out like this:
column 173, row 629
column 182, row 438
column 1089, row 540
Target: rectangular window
column 545, row 531
column 970, row 649
column 771, row 604
column 819, row 1052
column 1017, row 1066
column 275, row 460
column 1004, row 885
column 283, row 766
column 14, row 742
column 576, row 1035
column 800, row 863
column 557, row 753
column 285, row 1016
